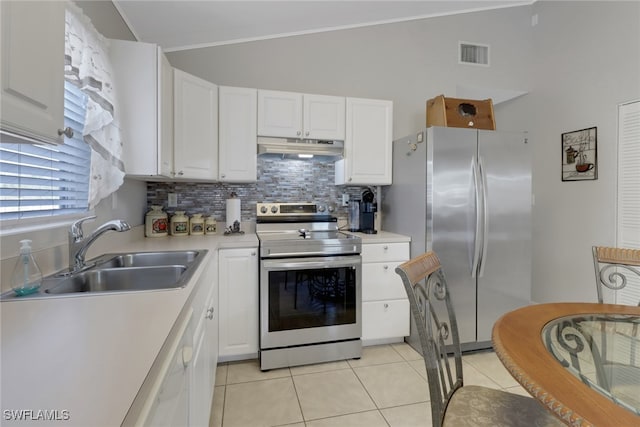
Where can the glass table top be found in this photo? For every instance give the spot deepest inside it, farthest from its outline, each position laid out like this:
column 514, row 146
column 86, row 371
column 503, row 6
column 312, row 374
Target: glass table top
column 603, row 351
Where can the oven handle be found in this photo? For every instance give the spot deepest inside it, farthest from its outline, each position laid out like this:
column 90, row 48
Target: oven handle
column 331, row 262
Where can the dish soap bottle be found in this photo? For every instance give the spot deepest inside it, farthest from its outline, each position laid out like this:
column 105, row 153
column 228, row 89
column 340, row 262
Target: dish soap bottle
column 26, row 277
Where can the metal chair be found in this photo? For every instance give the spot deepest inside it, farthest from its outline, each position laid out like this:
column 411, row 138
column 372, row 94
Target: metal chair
column 614, row 267
column 453, row 404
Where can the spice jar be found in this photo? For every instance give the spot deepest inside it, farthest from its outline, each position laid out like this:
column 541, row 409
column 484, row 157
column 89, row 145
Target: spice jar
column 179, row 224
column 210, row 225
column 156, row 222
column 196, row 225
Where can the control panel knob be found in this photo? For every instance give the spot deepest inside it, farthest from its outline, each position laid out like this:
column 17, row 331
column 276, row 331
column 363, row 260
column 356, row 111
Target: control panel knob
column 263, row 210
column 274, row 209
column 321, row 208
column 331, row 209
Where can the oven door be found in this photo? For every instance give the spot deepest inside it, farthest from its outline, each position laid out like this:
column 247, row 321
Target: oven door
column 310, row 300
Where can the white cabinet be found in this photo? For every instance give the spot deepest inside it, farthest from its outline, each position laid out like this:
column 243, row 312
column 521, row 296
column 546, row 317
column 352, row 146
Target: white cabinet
column 205, row 350
column 385, row 306
column 238, row 303
column 368, row 143
column 296, row 115
column 237, row 133
column 32, row 70
column 195, row 128
column 145, row 90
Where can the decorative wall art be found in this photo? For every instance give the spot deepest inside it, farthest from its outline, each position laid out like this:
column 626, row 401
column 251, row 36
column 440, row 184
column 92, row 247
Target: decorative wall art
column 579, row 155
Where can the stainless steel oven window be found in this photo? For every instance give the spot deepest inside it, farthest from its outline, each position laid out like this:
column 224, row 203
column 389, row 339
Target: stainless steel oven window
column 307, row 300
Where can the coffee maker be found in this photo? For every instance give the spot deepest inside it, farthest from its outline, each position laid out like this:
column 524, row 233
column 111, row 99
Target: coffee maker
column 368, row 213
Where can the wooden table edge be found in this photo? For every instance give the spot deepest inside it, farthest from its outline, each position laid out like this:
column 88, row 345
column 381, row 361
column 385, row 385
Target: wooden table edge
column 553, row 386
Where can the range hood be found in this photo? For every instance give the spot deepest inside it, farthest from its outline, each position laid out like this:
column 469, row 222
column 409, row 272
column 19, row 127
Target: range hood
column 300, row 148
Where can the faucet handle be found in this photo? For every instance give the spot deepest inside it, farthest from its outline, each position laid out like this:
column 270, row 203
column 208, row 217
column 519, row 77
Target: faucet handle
column 76, row 228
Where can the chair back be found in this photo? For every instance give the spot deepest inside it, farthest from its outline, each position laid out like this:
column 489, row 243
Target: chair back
column 437, row 328
column 614, row 267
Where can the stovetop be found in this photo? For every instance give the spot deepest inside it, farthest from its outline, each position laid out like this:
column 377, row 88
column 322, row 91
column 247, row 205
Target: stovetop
column 301, row 229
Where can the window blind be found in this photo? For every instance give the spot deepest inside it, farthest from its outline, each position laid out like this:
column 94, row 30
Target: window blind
column 45, row 180
column 628, row 205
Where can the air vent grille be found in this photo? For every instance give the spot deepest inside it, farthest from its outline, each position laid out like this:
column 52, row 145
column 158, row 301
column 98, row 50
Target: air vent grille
column 473, row 53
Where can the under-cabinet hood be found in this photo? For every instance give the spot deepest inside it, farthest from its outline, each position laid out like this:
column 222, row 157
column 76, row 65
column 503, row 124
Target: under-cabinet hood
column 298, row 148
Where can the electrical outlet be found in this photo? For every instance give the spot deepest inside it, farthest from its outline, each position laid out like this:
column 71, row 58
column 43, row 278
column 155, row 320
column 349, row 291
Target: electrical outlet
column 345, row 200
column 172, row 201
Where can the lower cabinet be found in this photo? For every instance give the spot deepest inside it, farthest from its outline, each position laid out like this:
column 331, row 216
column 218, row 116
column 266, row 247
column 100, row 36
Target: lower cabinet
column 183, row 377
column 238, row 302
column 385, row 306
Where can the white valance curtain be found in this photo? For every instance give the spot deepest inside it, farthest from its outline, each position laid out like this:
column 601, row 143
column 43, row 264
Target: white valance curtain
column 87, row 66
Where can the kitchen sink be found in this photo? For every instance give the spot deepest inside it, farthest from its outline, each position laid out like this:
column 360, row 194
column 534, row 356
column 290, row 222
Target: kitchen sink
column 121, row 279
column 146, row 259
column 122, row 272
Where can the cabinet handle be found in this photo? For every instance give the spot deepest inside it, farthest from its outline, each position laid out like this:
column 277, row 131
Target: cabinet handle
column 253, row 254
column 68, row 132
column 350, row 179
column 386, row 267
column 386, row 306
column 180, row 173
column 385, row 247
column 209, row 313
column 307, row 134
column 187, row 354
column 298, row 133
column 223, row 175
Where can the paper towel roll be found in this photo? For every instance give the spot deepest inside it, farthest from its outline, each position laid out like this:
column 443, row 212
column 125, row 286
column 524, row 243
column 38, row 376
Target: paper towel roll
column 233, row 211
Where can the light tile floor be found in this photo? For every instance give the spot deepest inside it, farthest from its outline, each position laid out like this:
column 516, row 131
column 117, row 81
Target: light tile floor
column 386, row 387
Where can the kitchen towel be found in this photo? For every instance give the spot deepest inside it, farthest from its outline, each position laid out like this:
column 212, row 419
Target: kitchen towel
column 233, row 211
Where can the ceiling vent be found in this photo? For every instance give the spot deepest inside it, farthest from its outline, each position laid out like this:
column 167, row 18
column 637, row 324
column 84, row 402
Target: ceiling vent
column 473, row 53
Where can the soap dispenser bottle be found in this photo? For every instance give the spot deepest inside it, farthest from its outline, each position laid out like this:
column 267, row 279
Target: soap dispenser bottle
column 26, row 277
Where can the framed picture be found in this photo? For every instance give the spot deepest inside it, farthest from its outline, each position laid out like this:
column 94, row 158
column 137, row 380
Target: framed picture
column 579, row 155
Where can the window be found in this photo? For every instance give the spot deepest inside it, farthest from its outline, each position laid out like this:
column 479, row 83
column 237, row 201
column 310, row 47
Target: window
column 45, row 180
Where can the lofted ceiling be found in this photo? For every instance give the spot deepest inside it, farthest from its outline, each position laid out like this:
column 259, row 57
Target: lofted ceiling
column 186, row 24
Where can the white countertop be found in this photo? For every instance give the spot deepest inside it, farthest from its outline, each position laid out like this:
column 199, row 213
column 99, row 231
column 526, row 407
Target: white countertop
column 89, row 355
column 381, row 237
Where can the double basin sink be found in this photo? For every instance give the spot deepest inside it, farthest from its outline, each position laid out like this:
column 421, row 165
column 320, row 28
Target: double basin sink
column 120, row 272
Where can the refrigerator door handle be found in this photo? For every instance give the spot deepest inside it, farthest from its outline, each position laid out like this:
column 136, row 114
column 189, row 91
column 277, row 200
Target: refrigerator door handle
column 485, row 218
column 477, row 242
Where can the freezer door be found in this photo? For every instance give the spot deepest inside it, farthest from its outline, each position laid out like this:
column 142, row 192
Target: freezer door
column 451, row 216
column 504, row 277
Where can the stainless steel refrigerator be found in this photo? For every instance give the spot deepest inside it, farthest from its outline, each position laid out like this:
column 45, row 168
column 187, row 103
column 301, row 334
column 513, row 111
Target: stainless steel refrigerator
column 466, row 194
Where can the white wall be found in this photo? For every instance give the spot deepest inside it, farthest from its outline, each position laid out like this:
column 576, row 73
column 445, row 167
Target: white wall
column 407, row 63
column 586, row 60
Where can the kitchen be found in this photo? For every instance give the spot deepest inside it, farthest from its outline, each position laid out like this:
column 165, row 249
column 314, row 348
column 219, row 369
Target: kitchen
column 366, row 62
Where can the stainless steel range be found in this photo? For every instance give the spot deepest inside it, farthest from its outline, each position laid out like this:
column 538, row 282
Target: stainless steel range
column 310, row 286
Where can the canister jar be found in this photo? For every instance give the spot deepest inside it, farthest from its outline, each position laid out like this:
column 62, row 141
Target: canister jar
column 196, row 225
column 156, row 222
column 179, row 224
column 210, row 225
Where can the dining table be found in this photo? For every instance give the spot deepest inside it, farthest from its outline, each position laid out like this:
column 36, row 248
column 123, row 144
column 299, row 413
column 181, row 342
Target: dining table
column 580, row 360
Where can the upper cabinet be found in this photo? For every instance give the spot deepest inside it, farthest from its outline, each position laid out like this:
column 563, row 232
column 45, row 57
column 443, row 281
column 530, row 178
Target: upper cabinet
column 368, row 143
column 237, row 134
column 33, row 70
column 196, row 127
column 301, row 116
column 145, row 89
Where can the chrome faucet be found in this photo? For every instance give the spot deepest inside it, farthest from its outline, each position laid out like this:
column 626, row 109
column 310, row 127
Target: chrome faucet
column 78, row 245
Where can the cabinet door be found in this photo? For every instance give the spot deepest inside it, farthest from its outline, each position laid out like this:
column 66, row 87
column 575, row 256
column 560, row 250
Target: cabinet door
column 238, row 134
column 385, row 319
column 238, row 302
column 145, row 89
column 196, row 127
column 165, row 116
column 367, row 144
column 381, row 282
column 279, row 114
column 323, row 117
column 200, row 389
column 33, row 69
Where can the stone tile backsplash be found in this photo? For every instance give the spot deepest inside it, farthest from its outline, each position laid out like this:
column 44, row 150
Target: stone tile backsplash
column 279, row 180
